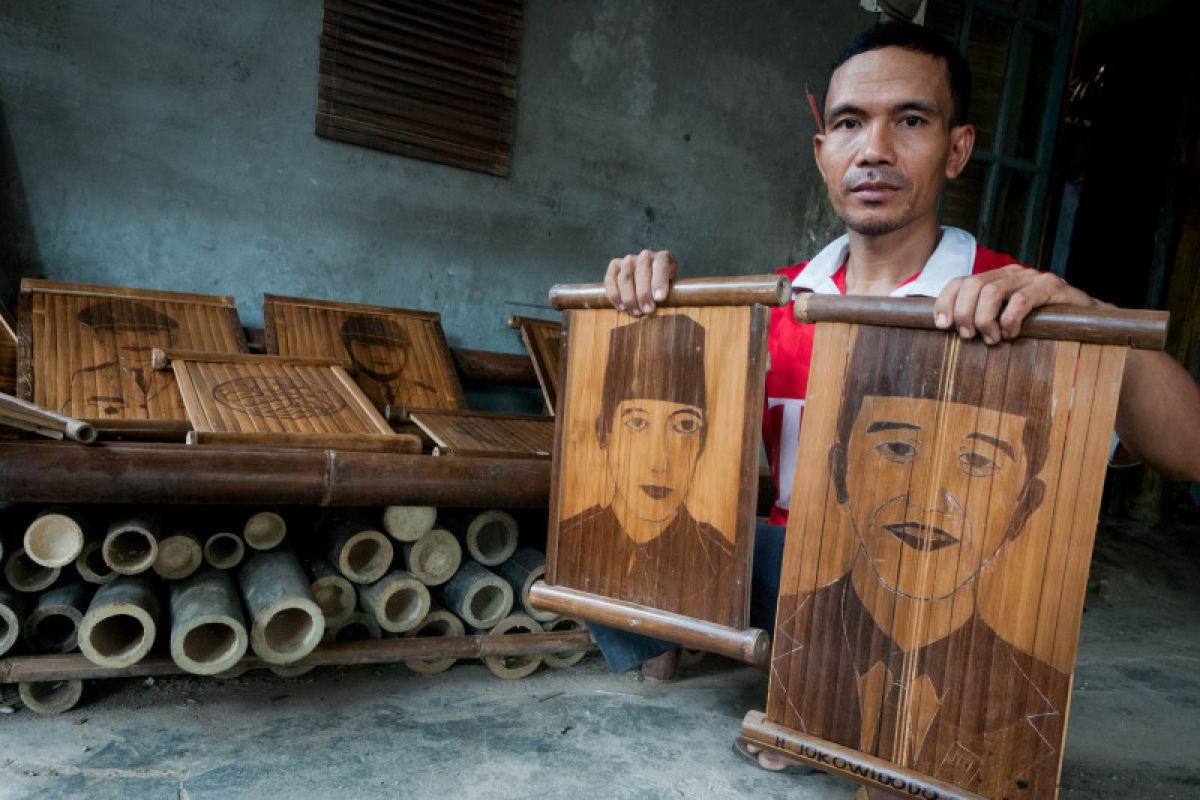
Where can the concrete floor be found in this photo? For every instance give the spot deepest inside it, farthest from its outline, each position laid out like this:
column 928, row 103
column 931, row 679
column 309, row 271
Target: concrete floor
column 383, row 732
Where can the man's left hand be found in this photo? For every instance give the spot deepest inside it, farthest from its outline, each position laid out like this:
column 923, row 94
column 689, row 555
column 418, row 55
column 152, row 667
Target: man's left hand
column 995, row 303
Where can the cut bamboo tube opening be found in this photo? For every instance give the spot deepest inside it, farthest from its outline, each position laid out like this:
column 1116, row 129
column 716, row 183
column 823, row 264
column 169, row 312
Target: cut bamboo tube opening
column 360, row 552
column 28, row 416
column 179, row 555
column 408, row 523
column 286, row 622
column 398, row 601
column 438, row 622
column 388, row 650
column 750, row 644
column 208, row 630
column 489, row 537
column 434, row 558
column 514, row 667
column 26, row 575
column 53, row 624
column 334, row 594
column 224, row 550
column 291, row 670
column 90, row 564
column 131, row 545
column 12, row 608
column 358, row 627
column 50, row 697
column 121, row 623
column 479, row 597
column 264, row 530
column 767, row 290
column 521, row 571
column 55, row 538
column 571, row 657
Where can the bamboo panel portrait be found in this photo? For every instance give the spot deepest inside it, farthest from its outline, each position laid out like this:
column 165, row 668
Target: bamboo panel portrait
column 477, row 433
column 936, row 557
column 651, row 491
column 85, row 350
column 543, row 339
column 399, row 357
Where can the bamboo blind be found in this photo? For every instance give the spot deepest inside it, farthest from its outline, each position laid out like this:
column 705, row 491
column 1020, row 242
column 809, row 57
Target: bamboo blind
column 477, row 433
column 428, row 79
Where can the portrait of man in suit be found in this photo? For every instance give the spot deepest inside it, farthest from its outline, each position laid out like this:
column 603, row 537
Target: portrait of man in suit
column 124, row 382
column 379, row 349
column 935, row 470
column 644, row 545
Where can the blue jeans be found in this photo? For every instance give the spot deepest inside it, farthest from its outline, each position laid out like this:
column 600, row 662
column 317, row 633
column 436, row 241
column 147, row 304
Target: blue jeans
column 623, row 650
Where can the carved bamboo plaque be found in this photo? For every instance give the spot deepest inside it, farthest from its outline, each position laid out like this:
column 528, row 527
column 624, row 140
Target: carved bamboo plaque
column 944, row 510
column 543, row 339
column 85, row 350
column 652, row 504
column 399, row 357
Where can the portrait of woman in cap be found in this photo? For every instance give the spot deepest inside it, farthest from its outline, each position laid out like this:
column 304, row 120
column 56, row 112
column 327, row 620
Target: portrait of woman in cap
column 644, row 546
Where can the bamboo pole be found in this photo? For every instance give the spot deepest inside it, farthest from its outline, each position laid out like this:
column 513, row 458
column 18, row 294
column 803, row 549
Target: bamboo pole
column 334, row 594
column 121, row 622
column 489, row 537
column 438, row 622
column 398, row 601
column 55, row 537
column 22, row 414
column 224, row 550
column 569, row 658
column 179, row 555
column 521, row 571
column 408, row 523
column 131, row 545
column 50, row 697
column 434, row 558
column 513, row 667
column 26, row 575
column 479, row 597
column 360, row 552
column 768, row 290
column 53, row 624
column 90, row 563
column 264, row 530
column 208, row 630
column 286, row 622
column 12, row 609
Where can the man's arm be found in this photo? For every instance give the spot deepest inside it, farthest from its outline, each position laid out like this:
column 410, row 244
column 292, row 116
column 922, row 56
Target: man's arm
column 1158, row 418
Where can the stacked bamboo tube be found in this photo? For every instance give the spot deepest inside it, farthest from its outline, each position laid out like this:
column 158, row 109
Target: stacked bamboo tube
column 219, row 597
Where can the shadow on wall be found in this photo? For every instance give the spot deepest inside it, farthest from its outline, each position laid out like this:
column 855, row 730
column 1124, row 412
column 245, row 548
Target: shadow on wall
column 18, row 244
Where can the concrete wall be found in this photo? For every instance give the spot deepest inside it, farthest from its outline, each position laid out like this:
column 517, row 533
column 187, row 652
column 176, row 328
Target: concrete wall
column 169, row 144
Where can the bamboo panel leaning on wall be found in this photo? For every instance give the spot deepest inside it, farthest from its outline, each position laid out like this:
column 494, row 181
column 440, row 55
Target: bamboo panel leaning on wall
column 656, row 463
column 935, row 567
column 543, row 339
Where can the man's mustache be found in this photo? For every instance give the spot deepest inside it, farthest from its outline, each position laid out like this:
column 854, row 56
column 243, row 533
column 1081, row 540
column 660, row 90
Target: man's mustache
column 886, row 175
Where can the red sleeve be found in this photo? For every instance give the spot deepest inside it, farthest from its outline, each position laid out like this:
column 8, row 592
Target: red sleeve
column 988, row 260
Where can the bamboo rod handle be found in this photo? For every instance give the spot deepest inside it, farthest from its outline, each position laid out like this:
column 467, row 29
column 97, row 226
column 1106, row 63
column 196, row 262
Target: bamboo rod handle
column 767, row 290
column 1143, row 329
column 750, row 645
column 375, row 651
column 22, row 414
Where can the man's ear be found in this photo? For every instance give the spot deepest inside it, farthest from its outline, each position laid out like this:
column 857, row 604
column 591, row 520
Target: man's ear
column 962, row 142
column 818, row 143
column 837, row 470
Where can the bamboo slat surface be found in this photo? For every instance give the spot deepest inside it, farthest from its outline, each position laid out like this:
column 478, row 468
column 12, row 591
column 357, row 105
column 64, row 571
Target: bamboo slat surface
column 8, row 352
column 543, row 339
column 85, row 351
column 937, row 556
column 398, row 356
column 479, row 433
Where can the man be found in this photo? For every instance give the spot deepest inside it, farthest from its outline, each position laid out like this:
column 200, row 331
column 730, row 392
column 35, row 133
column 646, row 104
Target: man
column 936, row 477
column 378, row 348
column 652, row 430
column 122, row 385
column 895, row 131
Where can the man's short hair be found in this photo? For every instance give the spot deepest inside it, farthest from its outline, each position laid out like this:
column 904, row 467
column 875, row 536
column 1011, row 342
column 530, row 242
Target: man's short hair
column 125, row 315
column 371, row 329
column 912, row 37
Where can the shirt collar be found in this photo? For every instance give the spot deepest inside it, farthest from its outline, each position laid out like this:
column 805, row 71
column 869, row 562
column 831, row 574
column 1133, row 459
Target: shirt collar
column 954, row 257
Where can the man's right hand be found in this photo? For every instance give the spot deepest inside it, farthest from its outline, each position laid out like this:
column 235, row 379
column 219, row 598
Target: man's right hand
column 636, row 283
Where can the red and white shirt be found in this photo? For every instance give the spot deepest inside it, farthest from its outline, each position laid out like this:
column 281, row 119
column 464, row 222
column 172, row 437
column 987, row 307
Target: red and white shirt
column 790, row 343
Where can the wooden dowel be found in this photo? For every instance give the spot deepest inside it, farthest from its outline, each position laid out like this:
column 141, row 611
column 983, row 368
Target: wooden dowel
column 767, row 290
column 365, row 442
column 22, row 414
column 847, row 762
column 141, row 430
column 484, row 368
column 160, row 359
column 1143, row 329
column 750, row 645
column 382, row 651
column 33, row 471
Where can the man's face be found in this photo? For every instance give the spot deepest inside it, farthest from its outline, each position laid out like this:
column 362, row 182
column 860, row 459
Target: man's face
column 888, row 144
column 932, row 488
column 651, row 453
column 382, row 360
column 134, row 348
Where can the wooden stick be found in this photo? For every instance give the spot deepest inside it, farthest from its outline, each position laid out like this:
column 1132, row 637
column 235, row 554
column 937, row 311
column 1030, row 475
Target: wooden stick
column 847, row 762
column 1146, row 330
column 141, row 430
column 382, row 651
column 365, row 442
column 767, row 290
column 33, row 471
column 28, row 416
column 484, row 368
column 750, row 645
column 160, row 359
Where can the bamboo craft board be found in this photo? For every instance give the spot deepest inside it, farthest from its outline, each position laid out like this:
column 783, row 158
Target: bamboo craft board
column 399, row 357
column 85, row 350
column 659, row 429
column 475, row 433
column 543, row 339
column 275, row 398
column 937, row 556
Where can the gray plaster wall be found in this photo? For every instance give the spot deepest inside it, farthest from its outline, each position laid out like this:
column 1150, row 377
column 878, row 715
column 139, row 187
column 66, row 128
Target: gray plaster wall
column 169, row 144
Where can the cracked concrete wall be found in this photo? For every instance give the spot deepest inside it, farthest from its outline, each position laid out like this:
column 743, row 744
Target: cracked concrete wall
column 169, row 144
